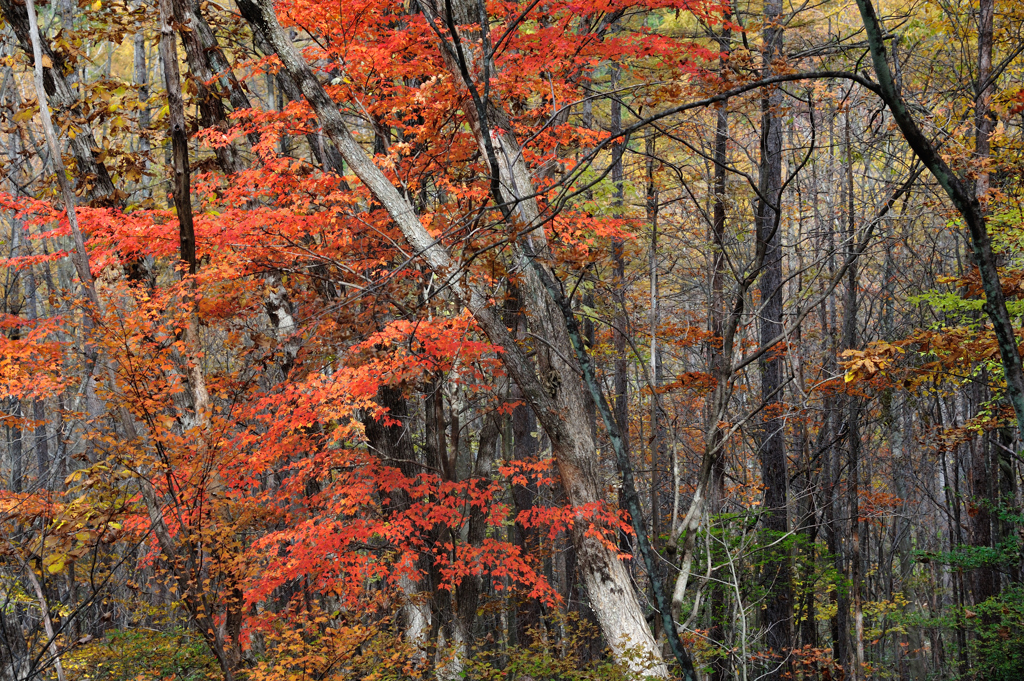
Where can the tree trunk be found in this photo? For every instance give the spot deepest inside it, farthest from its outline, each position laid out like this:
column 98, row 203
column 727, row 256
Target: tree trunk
column 468, row 593
column 777, row 612
column 986, row 578
column 902, row 472
column 179, row 139
column 42, row 445
column 658, row 416
column 858, row 533
column 620, row 318
column 524, row 496
column 717, row 362
column 1007, row 477
column 393, row 444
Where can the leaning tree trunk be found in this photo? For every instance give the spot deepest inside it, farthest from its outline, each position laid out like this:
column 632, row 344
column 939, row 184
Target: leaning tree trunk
column 563, row 412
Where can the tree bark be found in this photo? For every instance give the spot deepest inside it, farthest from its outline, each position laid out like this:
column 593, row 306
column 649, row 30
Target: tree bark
column 857, row 532
column 902, row 465
column 620, row 319
column 468, row 593
column 393, row 444
column 524, row 496
column 986, row 578
column 777, row 612
column 179, row 139
column 659, row 419
column 717, row 362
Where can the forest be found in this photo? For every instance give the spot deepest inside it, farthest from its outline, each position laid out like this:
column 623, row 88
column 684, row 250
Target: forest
column 525, row 340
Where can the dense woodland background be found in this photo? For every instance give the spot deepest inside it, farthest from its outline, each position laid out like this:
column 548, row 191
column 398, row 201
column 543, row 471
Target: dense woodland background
column 508, row 339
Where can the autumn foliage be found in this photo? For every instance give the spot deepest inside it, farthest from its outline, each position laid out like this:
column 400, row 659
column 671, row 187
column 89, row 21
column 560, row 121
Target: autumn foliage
column 450, row 360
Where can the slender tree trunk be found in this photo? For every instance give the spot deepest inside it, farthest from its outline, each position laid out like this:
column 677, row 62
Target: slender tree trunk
column 445, row 635
column 620, row 319
column 834, row 524
column 225, row 640
column 902, row 472
column 51, row 632
column 658, row 416
column 179, row 139
column 141, row 76
column 717, row 361
column 14, row 445
column 987, row 584
column 524, row 496
column 984, row 117
column 15, row 434
column 468, row 593
column 1007, row 481
column 808, row 527
column 858, row 532
column 777, row 613
column 42, row 446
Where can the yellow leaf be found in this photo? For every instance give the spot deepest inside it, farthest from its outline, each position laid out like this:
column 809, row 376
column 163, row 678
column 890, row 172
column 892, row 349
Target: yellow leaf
column 849, row 376
column 55, row 563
